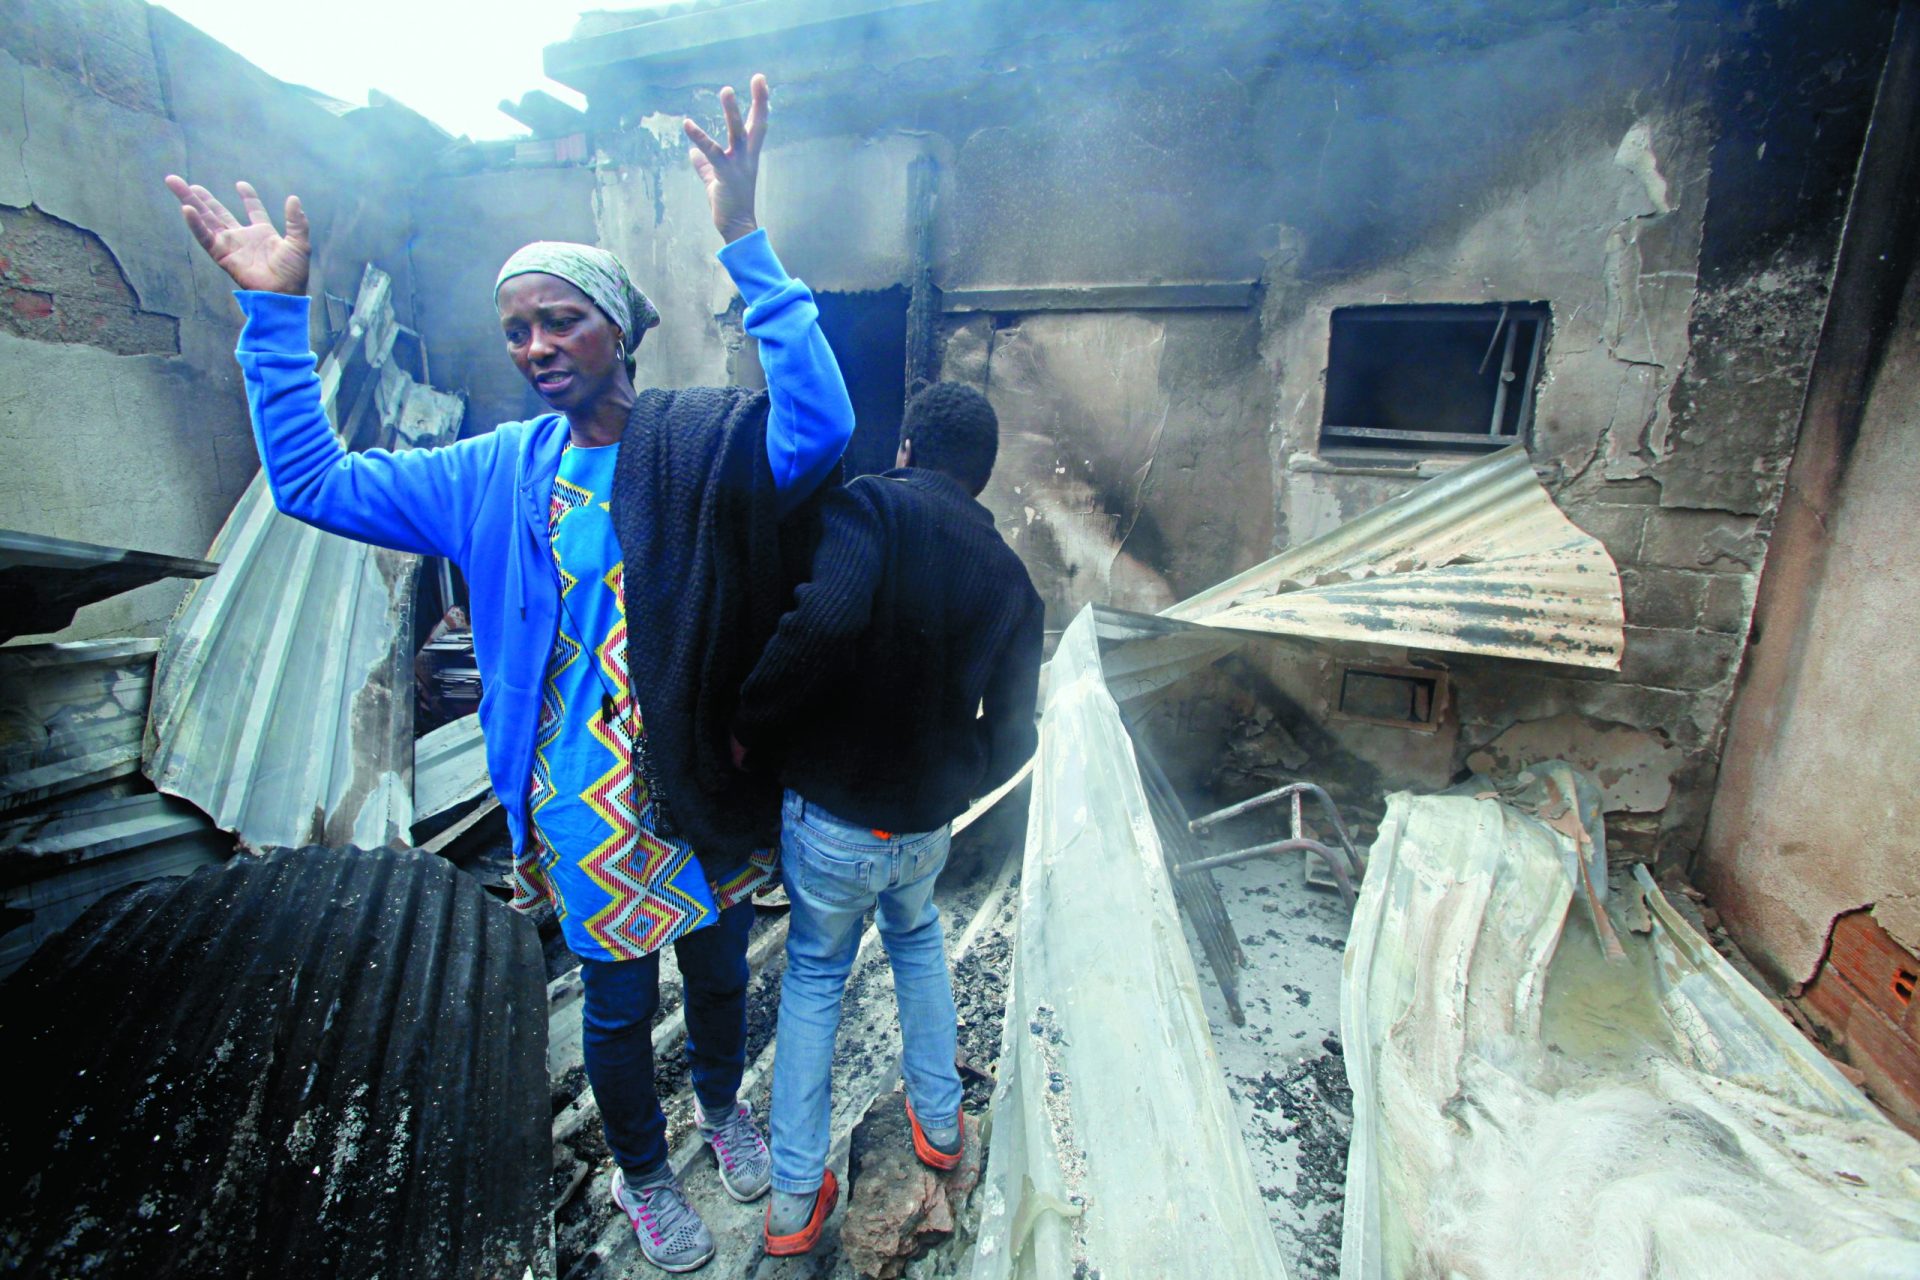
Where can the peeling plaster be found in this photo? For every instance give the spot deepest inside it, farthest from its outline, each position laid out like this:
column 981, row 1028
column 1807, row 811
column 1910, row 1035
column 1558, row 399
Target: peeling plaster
column 1899, row 915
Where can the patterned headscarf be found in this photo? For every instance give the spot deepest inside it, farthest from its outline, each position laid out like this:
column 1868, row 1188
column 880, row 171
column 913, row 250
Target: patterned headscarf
column 594, row 272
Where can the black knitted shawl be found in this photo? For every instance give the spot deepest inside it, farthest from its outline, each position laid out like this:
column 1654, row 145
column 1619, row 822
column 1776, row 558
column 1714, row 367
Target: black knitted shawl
column 709, row 568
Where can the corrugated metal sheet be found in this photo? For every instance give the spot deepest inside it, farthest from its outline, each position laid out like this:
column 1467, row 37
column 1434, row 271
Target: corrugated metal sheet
column 58, row 862
column 283, row 699
column 449, row 767
column 317, row 1063
column 70, row 715
column 44, row 580
column 1143, row 656
column 1479, row 560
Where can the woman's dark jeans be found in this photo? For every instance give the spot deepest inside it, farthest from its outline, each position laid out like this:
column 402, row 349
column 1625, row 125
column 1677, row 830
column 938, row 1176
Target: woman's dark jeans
column 617, row 1031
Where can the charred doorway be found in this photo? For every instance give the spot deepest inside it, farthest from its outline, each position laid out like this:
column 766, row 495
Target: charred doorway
column 868, row 333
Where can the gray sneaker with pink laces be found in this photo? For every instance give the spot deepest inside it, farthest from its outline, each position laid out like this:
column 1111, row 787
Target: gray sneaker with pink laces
column 746, row 1168
column 670, row 1232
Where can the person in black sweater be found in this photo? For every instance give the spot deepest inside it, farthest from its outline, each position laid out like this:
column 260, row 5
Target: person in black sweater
column 899, row 688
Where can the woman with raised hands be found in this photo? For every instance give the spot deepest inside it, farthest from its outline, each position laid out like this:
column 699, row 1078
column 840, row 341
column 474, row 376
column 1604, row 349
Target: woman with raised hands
column 627, row 554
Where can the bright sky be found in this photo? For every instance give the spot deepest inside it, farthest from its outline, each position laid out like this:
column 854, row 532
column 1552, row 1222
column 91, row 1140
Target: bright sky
column 450, row 60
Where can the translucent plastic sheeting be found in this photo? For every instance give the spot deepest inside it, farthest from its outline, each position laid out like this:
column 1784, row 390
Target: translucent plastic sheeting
column 1115, row 1147
column 1524, row 1107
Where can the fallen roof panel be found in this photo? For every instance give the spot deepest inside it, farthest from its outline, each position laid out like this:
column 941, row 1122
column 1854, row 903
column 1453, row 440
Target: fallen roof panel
column 72, row 717
column 1143, row 656
column 283, row 697
column 1105, row 1021
column 1479, row 560
column 449, row 767
column 344, row 1051
column 46, row 580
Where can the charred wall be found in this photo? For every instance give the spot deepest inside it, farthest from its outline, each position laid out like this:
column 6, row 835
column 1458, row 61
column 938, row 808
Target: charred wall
column 124, row 420
column 1809, row 823
column 1142, row 229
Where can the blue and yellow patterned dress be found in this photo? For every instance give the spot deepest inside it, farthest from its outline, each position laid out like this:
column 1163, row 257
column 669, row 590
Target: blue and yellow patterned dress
column 621, row 890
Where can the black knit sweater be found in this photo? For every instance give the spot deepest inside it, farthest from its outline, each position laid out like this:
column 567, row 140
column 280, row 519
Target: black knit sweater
column 710, row 565
column 868, row 701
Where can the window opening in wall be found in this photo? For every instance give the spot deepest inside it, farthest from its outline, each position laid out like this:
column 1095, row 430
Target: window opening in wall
column 1390, row 696
column 868, row 334
column 1432, row 379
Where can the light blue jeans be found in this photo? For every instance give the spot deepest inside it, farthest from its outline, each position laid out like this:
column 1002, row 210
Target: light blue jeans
column 834, row 872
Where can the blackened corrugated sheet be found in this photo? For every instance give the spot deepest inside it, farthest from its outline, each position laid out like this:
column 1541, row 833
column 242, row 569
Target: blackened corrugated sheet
column 316, row 1063
column 45, row 580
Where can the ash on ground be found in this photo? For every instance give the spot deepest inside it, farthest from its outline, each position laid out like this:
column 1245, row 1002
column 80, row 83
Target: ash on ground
column 864, row 1064
column 1284, row 1069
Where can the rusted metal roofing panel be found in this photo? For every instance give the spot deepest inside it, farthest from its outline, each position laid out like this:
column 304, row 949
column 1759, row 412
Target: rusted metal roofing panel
column 1143, row 656
column 320, row 1063
column 45, row 580
column 1479, row 560
column 70, row 715
column 283, row 700
column 449, row 767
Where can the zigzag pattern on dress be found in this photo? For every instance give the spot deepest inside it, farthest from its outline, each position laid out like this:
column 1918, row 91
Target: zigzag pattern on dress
column 553, row 710
column 531, row 880
column 566, row 496
column 745, row 882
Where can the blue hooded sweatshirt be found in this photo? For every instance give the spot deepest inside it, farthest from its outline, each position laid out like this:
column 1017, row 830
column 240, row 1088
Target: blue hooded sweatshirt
column 482, row 503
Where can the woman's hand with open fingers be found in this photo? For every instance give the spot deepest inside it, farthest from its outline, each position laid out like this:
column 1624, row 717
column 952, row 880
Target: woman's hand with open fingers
column 730, row 173
column 253, row 253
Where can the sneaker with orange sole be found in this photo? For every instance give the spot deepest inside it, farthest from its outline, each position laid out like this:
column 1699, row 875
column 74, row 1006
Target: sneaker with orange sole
column 803, row 1240
column 937, row 1158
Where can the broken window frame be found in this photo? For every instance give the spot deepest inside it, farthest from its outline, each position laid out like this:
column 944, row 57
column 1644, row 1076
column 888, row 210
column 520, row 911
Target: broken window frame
column 1508, row 318
column 1437, row 705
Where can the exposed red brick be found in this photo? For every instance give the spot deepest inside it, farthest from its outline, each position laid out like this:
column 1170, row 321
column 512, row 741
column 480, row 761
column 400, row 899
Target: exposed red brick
column 1863, row 996
column 29, row 305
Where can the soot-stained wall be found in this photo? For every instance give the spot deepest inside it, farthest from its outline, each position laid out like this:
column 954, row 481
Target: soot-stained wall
column 1669, row 179
column 123, row 420
column 1810, row 820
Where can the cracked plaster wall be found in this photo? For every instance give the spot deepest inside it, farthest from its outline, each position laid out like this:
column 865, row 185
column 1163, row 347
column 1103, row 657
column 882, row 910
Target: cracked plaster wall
column 148, row 448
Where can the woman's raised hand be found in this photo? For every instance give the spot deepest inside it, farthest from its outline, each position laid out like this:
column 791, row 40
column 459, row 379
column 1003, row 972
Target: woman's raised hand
column 253, row 253
column 730, row 173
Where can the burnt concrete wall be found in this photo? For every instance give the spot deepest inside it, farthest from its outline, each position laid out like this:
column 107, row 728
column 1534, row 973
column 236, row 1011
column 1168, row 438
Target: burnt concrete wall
column 124, row 420
column 1815, row 815
column 1669, row 179
column 1810, row 818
